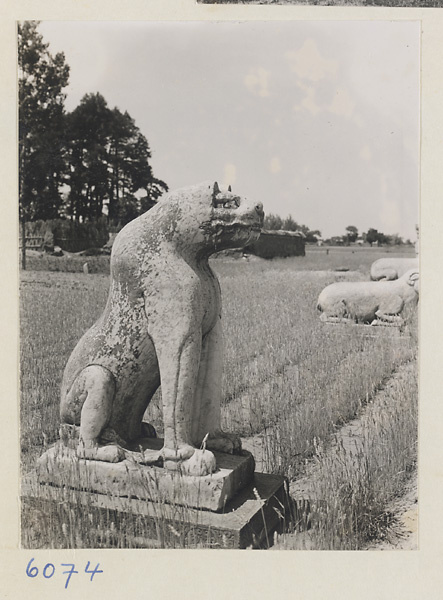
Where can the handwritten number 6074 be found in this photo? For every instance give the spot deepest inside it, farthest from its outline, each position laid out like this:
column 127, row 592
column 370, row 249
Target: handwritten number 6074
column 49, row 570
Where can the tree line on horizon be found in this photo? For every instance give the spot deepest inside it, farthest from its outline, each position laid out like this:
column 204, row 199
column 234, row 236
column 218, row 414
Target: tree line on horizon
column 372, row 236
column 77, row 165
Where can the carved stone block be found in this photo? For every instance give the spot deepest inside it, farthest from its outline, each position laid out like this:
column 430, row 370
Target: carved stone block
column 60, row 466
column 248, row 521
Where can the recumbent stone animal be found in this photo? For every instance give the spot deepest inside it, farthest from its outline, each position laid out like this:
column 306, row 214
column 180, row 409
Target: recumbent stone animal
column 161, row 326
column 392, row 268
column 375, row 302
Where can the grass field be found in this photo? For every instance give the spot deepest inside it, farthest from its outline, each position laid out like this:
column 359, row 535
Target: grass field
column 289, row 381
column 353, row 258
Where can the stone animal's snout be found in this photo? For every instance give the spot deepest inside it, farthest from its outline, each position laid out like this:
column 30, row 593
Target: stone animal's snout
column 251, row 212
column 244, row 211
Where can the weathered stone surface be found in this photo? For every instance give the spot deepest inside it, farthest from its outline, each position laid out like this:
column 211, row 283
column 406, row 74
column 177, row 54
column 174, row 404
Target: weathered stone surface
column 161, row 324
column 392, row 268
column 61, row 466
column 375, row 302
column 247, row 521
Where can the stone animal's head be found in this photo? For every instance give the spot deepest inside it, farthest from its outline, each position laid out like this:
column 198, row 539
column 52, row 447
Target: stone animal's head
column 234, row 220
column 412, row 278
column 202, row 219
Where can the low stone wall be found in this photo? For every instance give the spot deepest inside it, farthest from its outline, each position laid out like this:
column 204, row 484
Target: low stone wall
column 273, row 244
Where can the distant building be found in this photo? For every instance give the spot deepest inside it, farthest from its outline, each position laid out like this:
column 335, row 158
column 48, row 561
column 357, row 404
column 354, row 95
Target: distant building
column 337, row 240
column 273, row 244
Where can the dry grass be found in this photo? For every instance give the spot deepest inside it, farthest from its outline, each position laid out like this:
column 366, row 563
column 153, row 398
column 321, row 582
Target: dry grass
column 286, row 375
column 69, row 263
column 353, row 481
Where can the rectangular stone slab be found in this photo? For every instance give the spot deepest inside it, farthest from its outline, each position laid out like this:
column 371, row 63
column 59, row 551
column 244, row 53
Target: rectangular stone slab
column 249, row 520
column 59, row 466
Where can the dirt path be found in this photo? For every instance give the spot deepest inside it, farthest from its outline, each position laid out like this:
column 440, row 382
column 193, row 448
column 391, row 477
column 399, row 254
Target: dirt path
column 402, row 534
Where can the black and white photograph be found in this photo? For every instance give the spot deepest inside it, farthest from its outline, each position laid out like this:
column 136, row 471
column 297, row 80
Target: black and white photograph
column 219, row 284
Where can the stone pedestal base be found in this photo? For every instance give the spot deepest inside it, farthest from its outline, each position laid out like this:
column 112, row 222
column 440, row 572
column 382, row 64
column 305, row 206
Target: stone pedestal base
column 59, row 466
column 248, row 521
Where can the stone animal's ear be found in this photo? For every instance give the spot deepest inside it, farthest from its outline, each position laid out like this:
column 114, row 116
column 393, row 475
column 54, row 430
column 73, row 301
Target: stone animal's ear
column 413, row 277
column 229, row 188
column 215, row 191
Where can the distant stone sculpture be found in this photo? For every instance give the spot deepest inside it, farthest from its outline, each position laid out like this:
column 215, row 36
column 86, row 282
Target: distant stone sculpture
column 392, row 268
column 161, row 326
column 375, row 302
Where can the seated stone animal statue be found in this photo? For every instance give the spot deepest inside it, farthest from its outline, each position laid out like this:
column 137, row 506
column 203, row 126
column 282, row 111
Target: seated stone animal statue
column 387, row 269
column 161, row 326
column 375, row 302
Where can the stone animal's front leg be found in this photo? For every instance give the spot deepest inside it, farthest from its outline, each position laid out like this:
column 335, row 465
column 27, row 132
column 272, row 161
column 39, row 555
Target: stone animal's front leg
column 387, row 320
column 93, row 391
column 208, row 397
column 178, row 371
column 178, row 347
column 389, row 311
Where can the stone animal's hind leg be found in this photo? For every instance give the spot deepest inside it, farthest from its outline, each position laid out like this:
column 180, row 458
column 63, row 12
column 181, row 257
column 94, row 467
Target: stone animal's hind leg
column 337, row 313
column 207, row 408
column 95, row 387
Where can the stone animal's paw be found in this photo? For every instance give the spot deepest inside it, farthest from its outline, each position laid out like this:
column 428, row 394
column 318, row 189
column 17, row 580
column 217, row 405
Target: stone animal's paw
column 111, row 453
column 383, row 323
column 201, row 463
column 224, row 442
column 145, row 457
column 173, row 456
column 152, row 456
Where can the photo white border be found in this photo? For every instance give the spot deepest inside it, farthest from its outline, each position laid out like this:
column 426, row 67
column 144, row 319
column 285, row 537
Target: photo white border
column 199, row 574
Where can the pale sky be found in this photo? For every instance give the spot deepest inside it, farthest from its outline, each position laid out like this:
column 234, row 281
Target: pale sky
column 317, row 119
